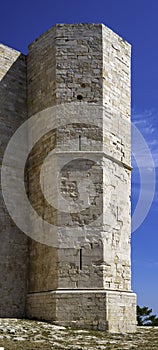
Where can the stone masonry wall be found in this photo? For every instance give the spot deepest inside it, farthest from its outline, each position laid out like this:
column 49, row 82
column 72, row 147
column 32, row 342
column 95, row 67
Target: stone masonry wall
column 68, row 70
column 117, row 147
column 102, row 310
column 82, row 64
column 78, row 172
column 13, row 247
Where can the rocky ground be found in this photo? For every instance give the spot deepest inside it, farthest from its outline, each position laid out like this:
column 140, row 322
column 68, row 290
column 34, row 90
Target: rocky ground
column 31, row 335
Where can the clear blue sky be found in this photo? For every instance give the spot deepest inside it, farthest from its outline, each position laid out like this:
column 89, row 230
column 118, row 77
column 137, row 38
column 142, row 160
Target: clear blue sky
column 137, row 22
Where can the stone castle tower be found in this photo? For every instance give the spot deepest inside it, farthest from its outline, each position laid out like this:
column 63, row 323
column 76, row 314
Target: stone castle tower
column 74, row 86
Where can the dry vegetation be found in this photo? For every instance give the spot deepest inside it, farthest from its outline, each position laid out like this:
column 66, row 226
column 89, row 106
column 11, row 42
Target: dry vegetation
column 32, row 335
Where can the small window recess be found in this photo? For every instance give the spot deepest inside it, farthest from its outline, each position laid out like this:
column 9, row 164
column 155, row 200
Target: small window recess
column 80, row 259
column 79, row 97
column 79, row 142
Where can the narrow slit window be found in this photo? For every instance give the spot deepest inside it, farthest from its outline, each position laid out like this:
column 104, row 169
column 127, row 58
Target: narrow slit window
column 79, row 142
column 80, row 259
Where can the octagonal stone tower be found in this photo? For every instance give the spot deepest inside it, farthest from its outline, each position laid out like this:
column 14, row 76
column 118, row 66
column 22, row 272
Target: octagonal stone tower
column 79, row 75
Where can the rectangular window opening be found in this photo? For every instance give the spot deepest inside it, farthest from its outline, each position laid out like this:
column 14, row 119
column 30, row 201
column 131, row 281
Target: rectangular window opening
column 80, row 259
column 79, row 142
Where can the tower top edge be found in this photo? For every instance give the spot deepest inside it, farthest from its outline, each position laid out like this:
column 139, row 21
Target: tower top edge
column 11, row 49
column 87, row 26
column 72, row 26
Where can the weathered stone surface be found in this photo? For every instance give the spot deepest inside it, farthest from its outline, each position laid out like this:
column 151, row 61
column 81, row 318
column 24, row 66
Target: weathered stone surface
column 91, row 309
column 13, row 247
column 78, row 177
column 89, row 66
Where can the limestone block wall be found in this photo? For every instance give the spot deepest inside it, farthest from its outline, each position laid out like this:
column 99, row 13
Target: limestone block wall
column 41, row 67
column 65, row 65
column 77, row 87
column 110, row 311
column 68, row 70
column 13, row 247
column 116, row 96
column 117, row 148
column 79, row 63
column 85, row 65
column 116, row 227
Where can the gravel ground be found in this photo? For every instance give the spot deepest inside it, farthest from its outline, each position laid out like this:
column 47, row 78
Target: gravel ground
column 31, row 335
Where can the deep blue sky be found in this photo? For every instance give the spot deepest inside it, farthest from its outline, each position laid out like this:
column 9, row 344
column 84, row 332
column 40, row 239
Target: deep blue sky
column 137, row 22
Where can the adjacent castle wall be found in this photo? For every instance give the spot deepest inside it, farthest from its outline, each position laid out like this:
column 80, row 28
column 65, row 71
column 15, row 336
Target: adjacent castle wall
column 13, row 247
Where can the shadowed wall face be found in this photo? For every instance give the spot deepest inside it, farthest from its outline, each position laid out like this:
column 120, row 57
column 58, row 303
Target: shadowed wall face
column 13, row 246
